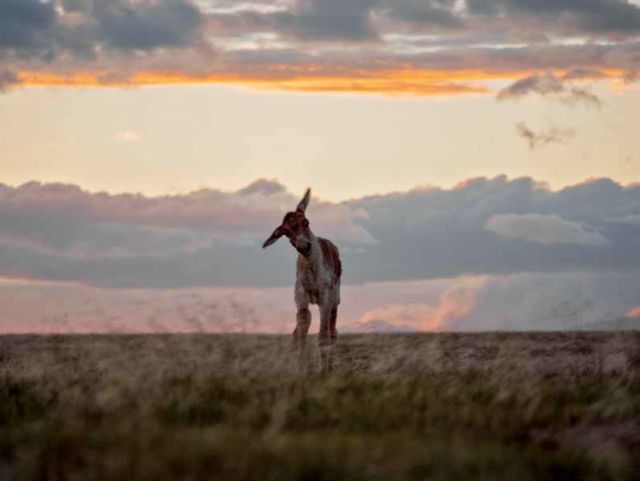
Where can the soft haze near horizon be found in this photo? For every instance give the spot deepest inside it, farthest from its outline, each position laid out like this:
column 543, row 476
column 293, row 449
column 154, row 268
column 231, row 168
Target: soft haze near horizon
column 477, row 162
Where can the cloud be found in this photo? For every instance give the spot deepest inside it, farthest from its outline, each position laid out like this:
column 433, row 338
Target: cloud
column 61, row 232
column 453, row 306
column 431, row 232
column 317, row 21
column 26, row 24
column 628, row 219
column 7, row 79
column 50, row 31
column 633, row 312
column 553, row 135
column 543, row 229
column 334, row 20
column 329, row 19
column 147, row 25
column 539, row 84
column 426, row 48
column 254, row 208
column 579, row 73
column 589, row 17
column 263, row 186
column 549, row 85
column 577, row 95
column 212, row 238
column 430, row 13
column 553, row 301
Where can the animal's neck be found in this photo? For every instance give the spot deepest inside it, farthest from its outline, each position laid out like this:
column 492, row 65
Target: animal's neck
column 315, row 257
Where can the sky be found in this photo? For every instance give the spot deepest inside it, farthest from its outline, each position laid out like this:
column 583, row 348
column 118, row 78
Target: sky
column 476, row 161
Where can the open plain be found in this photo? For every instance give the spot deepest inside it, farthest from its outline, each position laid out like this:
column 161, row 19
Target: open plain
column 494, row 406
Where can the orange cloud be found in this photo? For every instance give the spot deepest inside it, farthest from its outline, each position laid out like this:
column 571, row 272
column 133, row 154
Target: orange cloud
column 634, row 312
column 453, row 307
column 309, row 79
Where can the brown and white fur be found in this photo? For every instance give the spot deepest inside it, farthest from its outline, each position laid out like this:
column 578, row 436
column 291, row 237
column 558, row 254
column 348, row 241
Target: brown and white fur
column 318, row 272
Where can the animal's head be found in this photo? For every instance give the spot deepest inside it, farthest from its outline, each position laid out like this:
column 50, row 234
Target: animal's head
column 295, row 227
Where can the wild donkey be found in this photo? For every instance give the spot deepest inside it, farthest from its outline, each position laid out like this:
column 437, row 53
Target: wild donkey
column 318, row 272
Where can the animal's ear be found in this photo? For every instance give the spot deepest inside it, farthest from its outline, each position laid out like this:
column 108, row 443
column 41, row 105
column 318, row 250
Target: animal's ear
column 302, row 205
column 275, row 235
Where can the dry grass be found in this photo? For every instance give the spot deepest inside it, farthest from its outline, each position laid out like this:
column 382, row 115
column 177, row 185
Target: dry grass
column 492, row 406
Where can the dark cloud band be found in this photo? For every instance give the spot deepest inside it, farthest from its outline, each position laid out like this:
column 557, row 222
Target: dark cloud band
column 121, row 41
column 212, row 238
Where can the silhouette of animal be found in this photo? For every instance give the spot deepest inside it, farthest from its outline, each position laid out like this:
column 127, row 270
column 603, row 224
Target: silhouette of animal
column 318, row 273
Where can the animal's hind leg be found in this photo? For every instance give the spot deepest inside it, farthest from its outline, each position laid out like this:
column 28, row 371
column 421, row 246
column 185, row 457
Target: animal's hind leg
column 303, row 321
column 332, row 325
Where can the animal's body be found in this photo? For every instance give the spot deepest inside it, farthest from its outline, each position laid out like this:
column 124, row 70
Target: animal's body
column 318, row 273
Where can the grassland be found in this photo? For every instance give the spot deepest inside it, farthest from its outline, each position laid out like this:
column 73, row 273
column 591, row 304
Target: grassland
column 488, row 406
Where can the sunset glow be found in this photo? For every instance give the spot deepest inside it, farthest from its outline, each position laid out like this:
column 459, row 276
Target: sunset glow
column 476, row 162
column 310, row 79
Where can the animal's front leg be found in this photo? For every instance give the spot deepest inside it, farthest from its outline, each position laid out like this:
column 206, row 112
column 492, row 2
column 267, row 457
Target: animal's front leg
column 303, row 321
column 303, row 317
